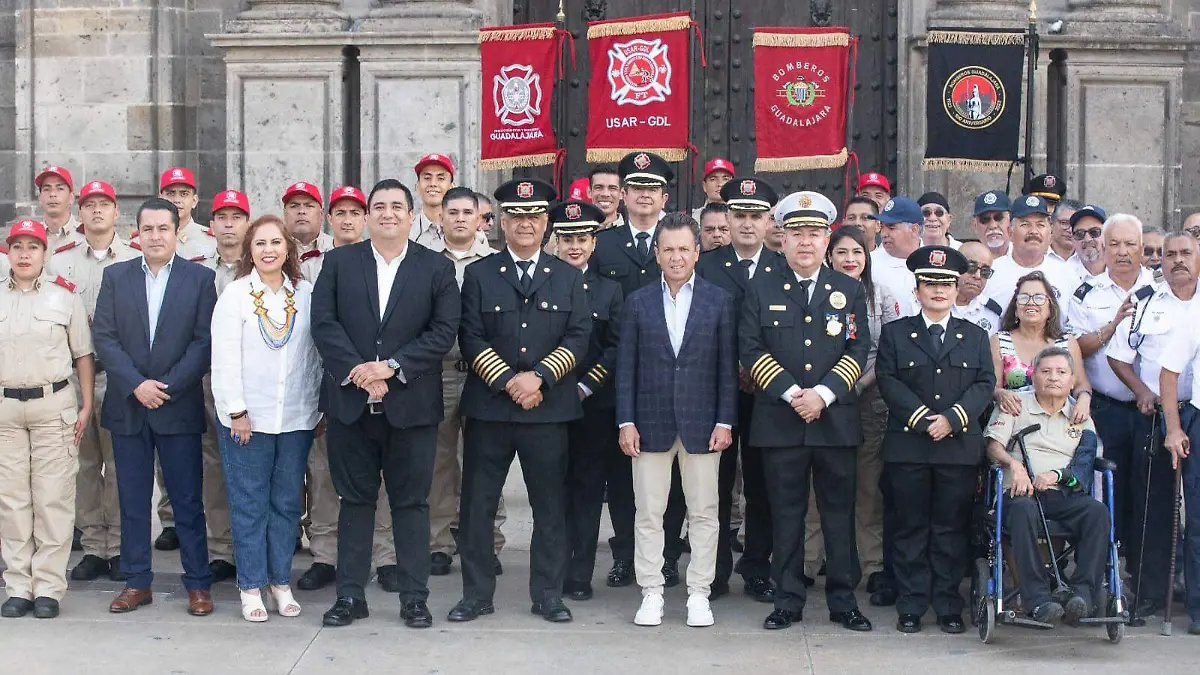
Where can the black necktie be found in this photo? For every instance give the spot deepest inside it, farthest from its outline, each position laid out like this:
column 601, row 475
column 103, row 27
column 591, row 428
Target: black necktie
column 526, row 275
column 643, row 245
column 746, row 264
column 804, row 294
column 935, row 337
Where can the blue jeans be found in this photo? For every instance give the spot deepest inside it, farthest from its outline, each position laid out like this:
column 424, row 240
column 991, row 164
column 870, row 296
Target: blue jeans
column 264, row 480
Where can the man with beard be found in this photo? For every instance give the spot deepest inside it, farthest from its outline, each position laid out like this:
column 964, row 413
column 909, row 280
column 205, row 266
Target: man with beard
column 858, row 214
column 1030, row 242
column 1136, row 354
column 991, row 221
column 717, row 172
column 900, row 235
column 935, row 211
column 714, row 226
column 971, row 304
column 874, row 186
column 604, row 190
column 1087, row 229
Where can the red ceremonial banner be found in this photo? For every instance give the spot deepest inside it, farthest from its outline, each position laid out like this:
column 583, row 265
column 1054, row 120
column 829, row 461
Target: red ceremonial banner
column 800, row 108
column 638, row 96
column 518, row 83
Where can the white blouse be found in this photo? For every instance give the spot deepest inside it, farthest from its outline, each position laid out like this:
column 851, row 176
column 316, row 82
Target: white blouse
column 278, row 388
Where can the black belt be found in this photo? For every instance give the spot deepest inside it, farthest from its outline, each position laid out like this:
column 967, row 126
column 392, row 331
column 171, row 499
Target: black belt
column 375, row 408
column 31, row 393
column 1113, row 401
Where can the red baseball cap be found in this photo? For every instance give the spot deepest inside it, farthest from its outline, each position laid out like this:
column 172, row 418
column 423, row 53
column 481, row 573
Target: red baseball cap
column 177, row 175
column 873, row 179
column 59, row 171
column 27, row 228
column 97, row 187
column 232, row 198
column 434, row 159
column 718, row 164
column 347, row 192
column 579, row 190
column 302, row 188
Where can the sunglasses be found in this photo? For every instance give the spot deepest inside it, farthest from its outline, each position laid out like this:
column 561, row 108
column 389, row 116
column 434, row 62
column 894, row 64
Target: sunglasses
column 1094, row 233
column 488, row 217
column 1151, row 252
column 1038, row 299
column 993, row 217
column 939, row 212
column 1194, row 231
column 983, row 270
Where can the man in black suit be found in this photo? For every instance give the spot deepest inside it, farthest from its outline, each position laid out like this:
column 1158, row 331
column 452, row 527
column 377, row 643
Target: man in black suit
column 384, row 312
column 594, row 458
column 525, row 325
column 805, row 340
column 732, row 267
column 935, row 373
column 151, row 331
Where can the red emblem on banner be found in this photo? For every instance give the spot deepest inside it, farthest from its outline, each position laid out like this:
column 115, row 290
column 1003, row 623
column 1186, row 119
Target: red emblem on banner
column 639, row 72
column 518, row 74
column 573, row 212
column 525, row 190
column 937, row 258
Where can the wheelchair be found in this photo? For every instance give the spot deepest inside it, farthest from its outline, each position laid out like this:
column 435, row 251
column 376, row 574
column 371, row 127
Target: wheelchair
column 993, row 604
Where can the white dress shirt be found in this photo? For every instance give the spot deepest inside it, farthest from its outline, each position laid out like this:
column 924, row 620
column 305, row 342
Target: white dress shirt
column 944, row 323
column 888, row 270
column 277, row 388
column 1005, row 272
column 537, row 255
column 1163, row 324
column 824, row 392
column 633, row 232
column 156, row 289
column 1097, row 308
column 386, row 274
column 753, row 260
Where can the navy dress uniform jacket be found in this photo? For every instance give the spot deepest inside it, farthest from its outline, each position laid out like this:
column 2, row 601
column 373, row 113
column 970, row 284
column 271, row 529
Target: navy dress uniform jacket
column 721, row 267
column 617, row 258
column 505, row 331
column 596, row 369
column 783, row 345
column 916, row 383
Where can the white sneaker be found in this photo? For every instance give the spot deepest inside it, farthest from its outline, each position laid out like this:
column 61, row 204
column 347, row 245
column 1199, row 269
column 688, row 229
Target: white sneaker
column 699, row 613
column 651, row 611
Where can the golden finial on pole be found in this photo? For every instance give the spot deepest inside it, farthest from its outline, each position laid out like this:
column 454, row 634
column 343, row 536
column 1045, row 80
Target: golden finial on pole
column 1032, row 10
column 562, row 15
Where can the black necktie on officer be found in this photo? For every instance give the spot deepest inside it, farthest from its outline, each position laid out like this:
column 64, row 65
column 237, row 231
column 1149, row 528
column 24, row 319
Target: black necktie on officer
column 935, row 337
column 804, row 285
column 643, row 245
column 746, row 264
column 526, row 275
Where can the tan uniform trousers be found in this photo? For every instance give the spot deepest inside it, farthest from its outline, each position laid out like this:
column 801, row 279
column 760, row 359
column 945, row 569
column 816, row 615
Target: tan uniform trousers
column 38, row 464
column 97, row 510
column 446, row 488
column 324, row 507
column 868, row 501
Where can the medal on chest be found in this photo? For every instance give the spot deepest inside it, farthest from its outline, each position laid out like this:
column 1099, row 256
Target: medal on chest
column 832, row 325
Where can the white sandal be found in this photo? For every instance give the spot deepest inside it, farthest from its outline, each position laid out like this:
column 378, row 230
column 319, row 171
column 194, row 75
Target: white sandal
column 253, row 608
column 285, row 603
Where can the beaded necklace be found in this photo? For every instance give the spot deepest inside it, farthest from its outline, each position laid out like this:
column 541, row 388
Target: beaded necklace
column 275, row 334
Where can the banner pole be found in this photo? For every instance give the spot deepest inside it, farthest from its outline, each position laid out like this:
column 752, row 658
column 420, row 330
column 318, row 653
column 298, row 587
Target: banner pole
column 561, row 171
column 1031, row 43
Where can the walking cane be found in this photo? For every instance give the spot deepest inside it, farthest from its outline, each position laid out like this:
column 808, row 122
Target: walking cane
column 1169, row 612
column 1136, row 620
column 1019, row 437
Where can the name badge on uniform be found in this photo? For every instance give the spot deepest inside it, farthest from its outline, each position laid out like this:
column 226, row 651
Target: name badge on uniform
column 832, row 325
column 778, row 308
column 837, row 300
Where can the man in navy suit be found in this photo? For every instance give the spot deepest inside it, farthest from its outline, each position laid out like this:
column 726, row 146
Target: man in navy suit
column 676, row 399
column 151, row 330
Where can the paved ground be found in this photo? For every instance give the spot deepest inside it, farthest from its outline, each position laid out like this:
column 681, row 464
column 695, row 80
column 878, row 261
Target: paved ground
column 162, row 638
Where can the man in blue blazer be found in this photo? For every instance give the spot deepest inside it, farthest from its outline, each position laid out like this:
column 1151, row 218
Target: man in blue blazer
column 676, row 400
column 152, row 337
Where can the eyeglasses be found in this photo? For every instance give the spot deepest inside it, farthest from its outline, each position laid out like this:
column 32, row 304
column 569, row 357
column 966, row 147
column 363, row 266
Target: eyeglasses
column 983, row 270
column 1094, row 233
column 1194, row 231
column 1038, row 299
column 488, row 216
column 994, row 217
column 1151, row 252
column 939, row 212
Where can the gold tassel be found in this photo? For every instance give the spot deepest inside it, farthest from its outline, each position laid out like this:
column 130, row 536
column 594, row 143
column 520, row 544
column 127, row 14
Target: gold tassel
column 502, row 163
column 960, row 164
column 539, row 33
column 801, row 163
column 769, row 39
column 970, row 38
column 633, row 27
column 595, row 155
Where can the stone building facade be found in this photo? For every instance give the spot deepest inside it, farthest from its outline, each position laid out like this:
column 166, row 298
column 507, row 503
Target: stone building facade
column 256, row 94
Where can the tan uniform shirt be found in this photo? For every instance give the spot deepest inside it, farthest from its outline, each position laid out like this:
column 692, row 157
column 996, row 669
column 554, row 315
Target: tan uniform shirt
column 310, row 265
column 42, row 332
column 195, row 242
column 226, row 272
column 1051, row 447
column 478, row 251
column 81, row 266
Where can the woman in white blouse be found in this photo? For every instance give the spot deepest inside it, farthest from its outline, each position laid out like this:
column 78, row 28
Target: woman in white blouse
column 265, row 376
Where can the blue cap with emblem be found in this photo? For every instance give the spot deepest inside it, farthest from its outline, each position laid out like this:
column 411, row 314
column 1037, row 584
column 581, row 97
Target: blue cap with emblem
column 1028, row 205
column 899, row 210
column 1089, row 211
column 992, row 200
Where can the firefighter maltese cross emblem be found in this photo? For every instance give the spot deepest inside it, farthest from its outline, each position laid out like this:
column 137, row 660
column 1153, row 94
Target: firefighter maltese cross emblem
column 517, row 95
column 639, row 72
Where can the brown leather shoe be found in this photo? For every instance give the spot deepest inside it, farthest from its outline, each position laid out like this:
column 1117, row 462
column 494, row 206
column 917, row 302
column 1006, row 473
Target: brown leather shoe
column 130, row 599
column 200, row 603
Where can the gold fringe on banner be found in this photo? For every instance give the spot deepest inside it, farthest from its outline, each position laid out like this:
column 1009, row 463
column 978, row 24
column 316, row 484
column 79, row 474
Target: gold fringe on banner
column 616, row 154
column 957, row 164
column 769, row 39
column 775, row 164
column 527, row 33
column 958, row 37
column 609, row 28
column 502, row 163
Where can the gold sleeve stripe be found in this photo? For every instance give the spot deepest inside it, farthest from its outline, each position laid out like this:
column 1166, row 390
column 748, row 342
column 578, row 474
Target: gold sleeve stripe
column 601, row 368
column 916, row 416
column 961, row 412
column 845, row 371
column 763, row 364
column 479, row 359
column 566, row 355
column 770, row 376
column 758, row 362
column 486, row 362
column 557, row 364
column 597, row 374
column 493, row 372
column 846, row 377
column 852, row 365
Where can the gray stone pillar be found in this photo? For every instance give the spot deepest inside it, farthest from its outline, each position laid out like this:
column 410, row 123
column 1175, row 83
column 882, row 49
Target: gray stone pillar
column 1110, row 18
column 423, row 15
column 290, row 16
column 980, row 13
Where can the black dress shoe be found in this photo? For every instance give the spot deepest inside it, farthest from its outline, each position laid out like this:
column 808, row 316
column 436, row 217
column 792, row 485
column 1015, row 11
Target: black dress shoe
column 670, row 572
column 45, row 608
column 15, row 608
column 620, row 575
column 874, row 581
column 1148, row 608
column 416, row 614
column 821, row 572
column 577, row 590
column 221, row 570
column 439, row 564
column 90, row 568
column 734, row 544
column 951, row 623
column 345, row 611
column 388, row 578
column 497, row 568
column 469, row 609
column 319, row 575
column 760, row 589
column 718, row 589
column 114, row 569
column 552, row 610
column 167, row 540
column 884, row 597
column 909, row 623
column 809, row 582
column 851, row 620
column 77, row 540
column 782, row 618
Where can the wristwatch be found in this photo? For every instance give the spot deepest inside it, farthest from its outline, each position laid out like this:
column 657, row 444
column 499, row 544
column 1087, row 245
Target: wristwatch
column 393, row 364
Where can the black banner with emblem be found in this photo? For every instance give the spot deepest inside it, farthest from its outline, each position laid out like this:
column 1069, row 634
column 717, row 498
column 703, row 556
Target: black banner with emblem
column 973, row 101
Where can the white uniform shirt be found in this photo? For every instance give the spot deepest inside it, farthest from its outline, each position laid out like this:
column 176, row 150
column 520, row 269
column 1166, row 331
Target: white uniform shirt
column 893, row 272
column 981, row 311
column 1181, row 354
column 1005, row 272
column 1159, row 321
column 1091, row 308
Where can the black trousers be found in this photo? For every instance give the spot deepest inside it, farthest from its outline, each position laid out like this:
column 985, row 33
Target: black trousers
column 360, row 455
column 1086, row 518
column 620, row 499
column 756, row 557
column 488, row 451
column 933, row 520
column 1157, row 525
column 592, row 463
column 832, row 472
column 1116, row 425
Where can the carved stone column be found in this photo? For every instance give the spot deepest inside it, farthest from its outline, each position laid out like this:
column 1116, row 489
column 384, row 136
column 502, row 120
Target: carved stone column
column 1118, row 17
column 980, row 13
column 417, row 15
column 290, row 16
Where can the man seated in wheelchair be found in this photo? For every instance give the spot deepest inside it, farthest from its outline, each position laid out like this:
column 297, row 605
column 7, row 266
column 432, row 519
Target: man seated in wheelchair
column 1061, row 458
